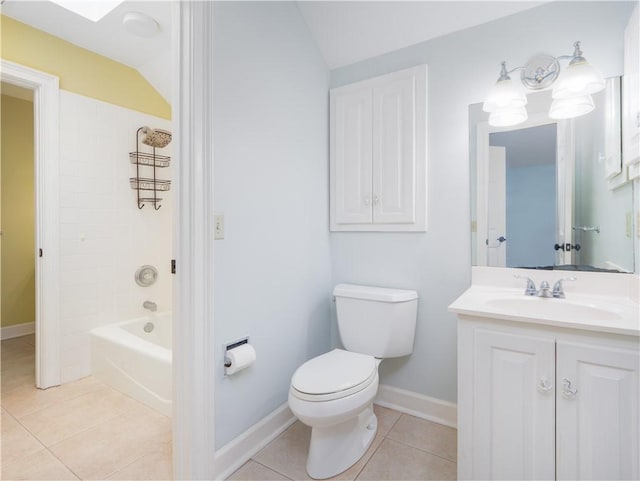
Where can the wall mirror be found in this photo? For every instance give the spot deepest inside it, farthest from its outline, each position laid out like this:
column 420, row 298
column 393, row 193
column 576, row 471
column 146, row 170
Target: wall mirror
column 552, row 194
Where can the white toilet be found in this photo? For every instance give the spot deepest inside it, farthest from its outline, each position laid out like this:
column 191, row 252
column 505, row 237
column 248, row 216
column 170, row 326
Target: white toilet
column 333, row 393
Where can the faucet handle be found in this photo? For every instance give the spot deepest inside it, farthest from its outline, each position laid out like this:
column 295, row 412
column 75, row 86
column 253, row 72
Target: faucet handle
column 531, row 286
column 558, row 292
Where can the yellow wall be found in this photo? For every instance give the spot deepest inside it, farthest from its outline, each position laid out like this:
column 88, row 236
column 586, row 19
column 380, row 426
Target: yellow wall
column 17, row 205
column 80, row 70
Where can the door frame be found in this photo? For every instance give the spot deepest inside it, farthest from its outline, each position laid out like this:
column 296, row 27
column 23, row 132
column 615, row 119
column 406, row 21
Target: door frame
column 565, row 173
column 45, row 89
column 194, row 364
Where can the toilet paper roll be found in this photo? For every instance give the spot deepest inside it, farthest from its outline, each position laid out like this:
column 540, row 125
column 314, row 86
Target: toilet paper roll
column 240, row 357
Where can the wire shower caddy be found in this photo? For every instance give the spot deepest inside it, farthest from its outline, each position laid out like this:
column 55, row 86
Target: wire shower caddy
column 148, row 185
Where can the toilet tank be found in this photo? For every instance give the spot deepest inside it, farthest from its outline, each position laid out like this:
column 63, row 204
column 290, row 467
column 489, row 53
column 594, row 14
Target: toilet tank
column 377, row 321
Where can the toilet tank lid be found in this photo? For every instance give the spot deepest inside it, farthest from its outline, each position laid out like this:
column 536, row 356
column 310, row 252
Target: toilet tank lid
column 382, row 294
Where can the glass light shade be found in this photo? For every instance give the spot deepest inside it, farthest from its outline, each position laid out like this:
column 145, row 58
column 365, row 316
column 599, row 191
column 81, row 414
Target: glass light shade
column 577, row 80
column 571, row 107
column 504, row 94
column 508, row 116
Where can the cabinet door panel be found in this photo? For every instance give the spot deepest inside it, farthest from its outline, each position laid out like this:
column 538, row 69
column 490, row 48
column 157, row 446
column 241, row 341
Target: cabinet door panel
column 351, row 150
column 513, row 406
column 598, row 425
column 394, row 151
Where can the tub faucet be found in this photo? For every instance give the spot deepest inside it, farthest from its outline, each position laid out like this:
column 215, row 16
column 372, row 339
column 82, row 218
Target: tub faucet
column 152, row 306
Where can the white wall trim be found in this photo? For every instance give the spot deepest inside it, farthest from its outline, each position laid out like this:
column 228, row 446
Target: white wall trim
column 237, row 452
column 17, row 330
column 419, row 405
column 193, row 331
column 46, row 100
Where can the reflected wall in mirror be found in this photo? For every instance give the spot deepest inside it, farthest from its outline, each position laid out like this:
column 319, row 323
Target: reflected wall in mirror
column 551, row 193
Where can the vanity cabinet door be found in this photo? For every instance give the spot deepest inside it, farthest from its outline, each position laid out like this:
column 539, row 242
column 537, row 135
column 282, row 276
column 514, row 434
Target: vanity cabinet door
column 513, row 421
column 597, row 412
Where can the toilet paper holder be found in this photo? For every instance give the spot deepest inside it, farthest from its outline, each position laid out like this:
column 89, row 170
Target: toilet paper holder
column 228, row 347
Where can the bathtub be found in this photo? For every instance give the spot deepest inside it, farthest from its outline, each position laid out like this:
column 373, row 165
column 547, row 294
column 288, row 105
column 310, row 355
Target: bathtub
column 135, row 362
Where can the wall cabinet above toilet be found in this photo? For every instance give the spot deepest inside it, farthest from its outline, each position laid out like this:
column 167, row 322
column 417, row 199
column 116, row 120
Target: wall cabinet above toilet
column 378, row 130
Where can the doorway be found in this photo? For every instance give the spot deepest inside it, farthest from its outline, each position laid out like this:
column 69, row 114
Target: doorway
column 44, row 91
column 523, row 201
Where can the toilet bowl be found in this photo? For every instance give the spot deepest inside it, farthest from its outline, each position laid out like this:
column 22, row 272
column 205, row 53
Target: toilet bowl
column 333, row 393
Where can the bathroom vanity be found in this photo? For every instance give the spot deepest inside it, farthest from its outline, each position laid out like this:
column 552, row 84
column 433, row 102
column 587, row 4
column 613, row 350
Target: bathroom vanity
column 548, row 388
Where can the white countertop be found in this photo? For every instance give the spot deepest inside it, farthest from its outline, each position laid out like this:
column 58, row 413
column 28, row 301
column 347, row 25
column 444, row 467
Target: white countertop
column 494, row 296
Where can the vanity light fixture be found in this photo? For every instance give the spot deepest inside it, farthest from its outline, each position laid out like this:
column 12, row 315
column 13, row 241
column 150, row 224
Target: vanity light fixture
column 571, row 92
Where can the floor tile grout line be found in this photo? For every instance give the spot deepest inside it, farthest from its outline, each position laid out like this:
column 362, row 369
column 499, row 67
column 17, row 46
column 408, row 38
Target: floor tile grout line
column 75, row 433
column 393, row 425
column 45, row 448
column 423, row 450
column 270, row 468
column 370, row 458
column 63, row 463
column 57, row 401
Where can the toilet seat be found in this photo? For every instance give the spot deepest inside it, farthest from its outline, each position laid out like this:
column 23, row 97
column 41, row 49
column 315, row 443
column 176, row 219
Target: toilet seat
column 333, row 375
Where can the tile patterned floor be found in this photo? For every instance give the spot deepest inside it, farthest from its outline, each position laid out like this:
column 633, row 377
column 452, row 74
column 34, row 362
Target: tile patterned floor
column 405, row 448
column 86, row 430
column 81, row 430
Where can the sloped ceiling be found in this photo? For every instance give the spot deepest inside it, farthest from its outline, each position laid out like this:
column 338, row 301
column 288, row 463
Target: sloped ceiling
column 345, row 31
column 108, row 36
column 350, row 31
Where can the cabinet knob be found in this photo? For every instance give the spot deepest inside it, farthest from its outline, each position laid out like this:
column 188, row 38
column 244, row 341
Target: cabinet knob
column 376, row 199
column 544, row 385
column 367, row 200
column 567, row 392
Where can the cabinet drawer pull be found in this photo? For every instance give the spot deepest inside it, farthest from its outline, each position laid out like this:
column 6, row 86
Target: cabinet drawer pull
column 544, row 385
column 567, row 392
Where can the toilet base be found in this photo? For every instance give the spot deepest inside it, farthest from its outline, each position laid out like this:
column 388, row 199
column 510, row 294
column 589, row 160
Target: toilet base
column 334, row 449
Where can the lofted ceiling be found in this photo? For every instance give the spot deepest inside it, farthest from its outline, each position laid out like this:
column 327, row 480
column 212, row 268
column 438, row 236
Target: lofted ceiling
column 351, row 31
column 345, row 31
column 108, row 37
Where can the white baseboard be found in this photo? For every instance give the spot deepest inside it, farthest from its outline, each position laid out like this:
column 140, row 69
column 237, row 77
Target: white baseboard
column 237, row 452
column 17, row 330
column 419, row 405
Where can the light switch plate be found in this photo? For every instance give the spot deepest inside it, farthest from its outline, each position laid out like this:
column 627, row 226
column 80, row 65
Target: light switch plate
column 219, row 226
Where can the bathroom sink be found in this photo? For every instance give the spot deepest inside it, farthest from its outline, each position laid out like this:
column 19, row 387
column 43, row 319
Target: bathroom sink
column 552, row 308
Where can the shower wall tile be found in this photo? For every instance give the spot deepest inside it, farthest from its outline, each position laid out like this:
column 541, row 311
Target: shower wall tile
column 104, row 237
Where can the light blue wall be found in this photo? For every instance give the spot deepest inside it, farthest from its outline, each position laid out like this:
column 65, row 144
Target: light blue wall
column 272, row 270
column 531, row 215
column 462, row 67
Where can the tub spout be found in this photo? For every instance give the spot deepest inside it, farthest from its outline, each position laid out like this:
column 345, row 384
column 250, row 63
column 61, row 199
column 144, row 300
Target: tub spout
column 152, row 306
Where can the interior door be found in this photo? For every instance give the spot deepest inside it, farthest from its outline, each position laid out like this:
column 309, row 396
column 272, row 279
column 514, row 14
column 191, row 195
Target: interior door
column 496, row 206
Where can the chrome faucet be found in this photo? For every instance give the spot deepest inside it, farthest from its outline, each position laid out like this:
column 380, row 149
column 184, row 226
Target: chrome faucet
column 558, row 292
column 152, row 306
column 545, row 291
column 530, row 290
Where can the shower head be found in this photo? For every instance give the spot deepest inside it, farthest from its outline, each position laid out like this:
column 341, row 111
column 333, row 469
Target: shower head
column 155, row 137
